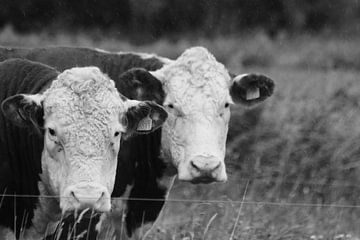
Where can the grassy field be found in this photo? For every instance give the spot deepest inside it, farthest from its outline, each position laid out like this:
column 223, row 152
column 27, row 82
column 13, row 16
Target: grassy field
column 293, row 160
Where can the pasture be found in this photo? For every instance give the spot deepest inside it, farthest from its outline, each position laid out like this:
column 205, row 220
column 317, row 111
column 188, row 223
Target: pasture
column 293, row 161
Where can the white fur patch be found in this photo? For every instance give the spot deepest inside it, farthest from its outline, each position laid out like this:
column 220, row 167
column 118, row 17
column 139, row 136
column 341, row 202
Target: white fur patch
column 86, row 103
column 37, row 98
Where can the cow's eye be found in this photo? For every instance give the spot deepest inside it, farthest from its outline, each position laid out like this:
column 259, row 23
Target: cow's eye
column 227, row 105
column 116, row 134
column 52, row 132
column 175, row 110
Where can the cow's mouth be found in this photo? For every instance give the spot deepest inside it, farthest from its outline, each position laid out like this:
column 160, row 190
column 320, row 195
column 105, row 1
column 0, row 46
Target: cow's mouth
column 204, row 180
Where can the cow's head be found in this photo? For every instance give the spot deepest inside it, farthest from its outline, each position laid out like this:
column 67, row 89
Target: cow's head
column 83, row 118
column 199, row 92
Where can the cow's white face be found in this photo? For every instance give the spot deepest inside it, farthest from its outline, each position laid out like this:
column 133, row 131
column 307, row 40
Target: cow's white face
column 84, row 118
column 199, row 92
column 82, row 113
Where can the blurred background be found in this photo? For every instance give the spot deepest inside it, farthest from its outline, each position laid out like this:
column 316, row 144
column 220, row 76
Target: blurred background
column 148, row 21
column 294, row 160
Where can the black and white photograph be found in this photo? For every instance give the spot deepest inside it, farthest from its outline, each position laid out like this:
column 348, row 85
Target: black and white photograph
column 179, row 119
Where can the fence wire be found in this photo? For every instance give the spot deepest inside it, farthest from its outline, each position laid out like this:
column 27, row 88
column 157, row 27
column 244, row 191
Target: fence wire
column 182, row 200
column 280, row 203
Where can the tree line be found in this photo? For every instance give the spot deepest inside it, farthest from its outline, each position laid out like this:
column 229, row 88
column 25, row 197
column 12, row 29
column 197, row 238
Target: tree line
column 161, row 17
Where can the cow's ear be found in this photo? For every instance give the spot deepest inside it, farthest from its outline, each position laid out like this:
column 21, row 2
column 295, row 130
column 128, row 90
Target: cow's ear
column 24, row 110
column 140, row 84
column 250, row 89
column 143, row 117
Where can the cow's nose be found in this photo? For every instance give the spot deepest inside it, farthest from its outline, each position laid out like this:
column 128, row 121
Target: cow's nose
column 80, row 197
column 206, row 169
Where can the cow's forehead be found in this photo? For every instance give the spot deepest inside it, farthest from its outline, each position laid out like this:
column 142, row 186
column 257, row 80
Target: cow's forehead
column 83, row 94
column 196, row 73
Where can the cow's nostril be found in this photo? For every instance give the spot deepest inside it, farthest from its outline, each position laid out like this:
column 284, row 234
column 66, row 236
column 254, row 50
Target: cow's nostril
column 194, row 166
column 72, row 194
column 217, row 166
column 102, row 196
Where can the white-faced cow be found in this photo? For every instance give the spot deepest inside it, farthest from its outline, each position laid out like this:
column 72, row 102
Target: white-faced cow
column 198, row 92
column 66, row 126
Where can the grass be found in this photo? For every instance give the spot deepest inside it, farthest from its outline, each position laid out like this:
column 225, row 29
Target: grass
column 298, row 152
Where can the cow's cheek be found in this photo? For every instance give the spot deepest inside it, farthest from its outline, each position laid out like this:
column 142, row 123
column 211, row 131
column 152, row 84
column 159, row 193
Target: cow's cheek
column 53, row 149
column 223, row 131
column 173, row 141
column 110, row 166
column 109, row 173
column 54, row 164
column 55, row 173
column 177, row 152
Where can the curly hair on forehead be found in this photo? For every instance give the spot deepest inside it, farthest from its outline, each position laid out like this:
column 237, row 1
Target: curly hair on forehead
column 83, row 80
column 198, row 66
column 80, row 92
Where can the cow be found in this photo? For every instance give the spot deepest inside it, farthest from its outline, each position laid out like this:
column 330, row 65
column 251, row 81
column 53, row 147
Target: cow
column 198, row 93
column 60, row 135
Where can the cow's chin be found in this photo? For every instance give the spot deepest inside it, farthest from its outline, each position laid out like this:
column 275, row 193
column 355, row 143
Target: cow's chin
column 188, row 177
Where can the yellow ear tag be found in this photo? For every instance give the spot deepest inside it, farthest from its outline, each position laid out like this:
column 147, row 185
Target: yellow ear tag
column 252, row 94
column 145, row 124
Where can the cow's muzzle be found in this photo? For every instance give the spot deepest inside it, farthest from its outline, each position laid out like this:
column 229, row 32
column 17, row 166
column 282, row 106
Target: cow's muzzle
column 204, row 169
column 83, row 195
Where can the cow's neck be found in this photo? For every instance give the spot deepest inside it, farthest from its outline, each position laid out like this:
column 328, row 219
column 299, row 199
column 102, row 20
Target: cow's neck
column 47, row 213
column 166, row 181
column 170, row 170
column 46, row 216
